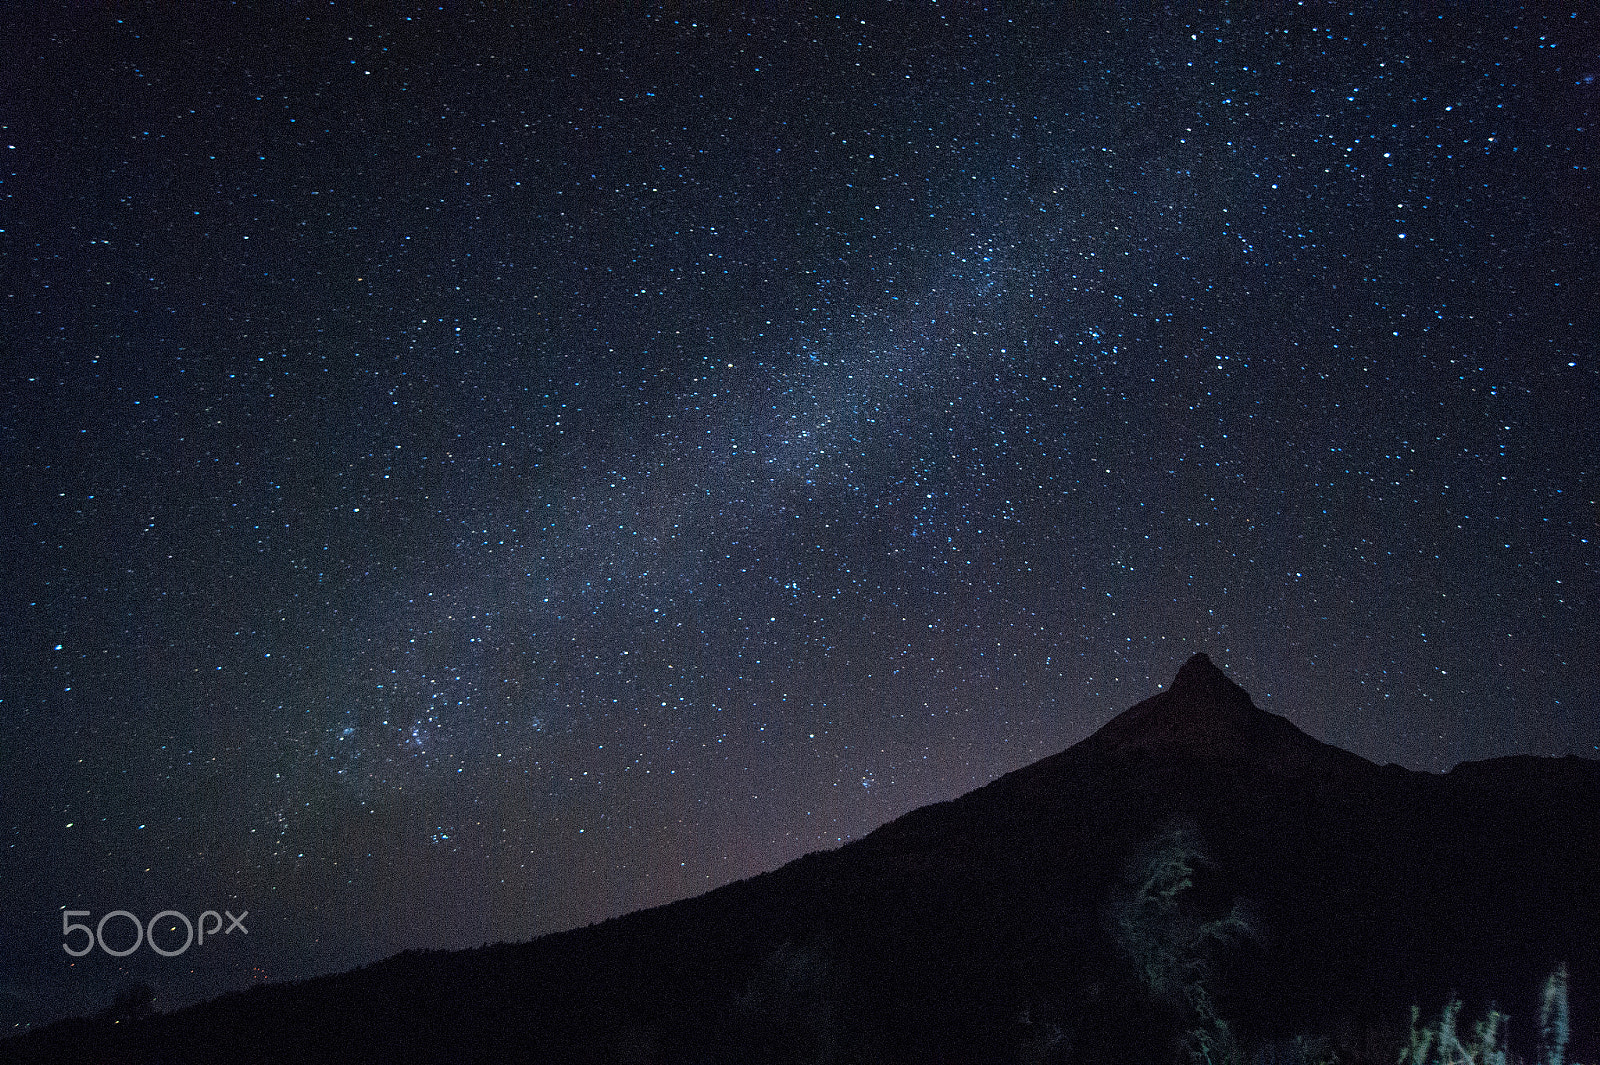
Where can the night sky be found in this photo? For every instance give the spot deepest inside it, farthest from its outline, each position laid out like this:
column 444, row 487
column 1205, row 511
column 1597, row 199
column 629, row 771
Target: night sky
column 474, row 471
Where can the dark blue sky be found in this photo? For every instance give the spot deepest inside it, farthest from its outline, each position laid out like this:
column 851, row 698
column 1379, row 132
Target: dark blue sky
column 473, row 471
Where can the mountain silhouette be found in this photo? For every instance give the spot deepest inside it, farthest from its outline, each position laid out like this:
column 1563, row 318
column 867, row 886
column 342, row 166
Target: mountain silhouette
column 1205, row 714
column 1198, row 869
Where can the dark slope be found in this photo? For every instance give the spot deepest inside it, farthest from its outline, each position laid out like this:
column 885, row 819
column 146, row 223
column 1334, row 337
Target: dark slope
column 987, row 928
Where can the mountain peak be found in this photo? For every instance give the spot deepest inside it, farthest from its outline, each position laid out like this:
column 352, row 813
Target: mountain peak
column 1205, row 714
column 1199, row 678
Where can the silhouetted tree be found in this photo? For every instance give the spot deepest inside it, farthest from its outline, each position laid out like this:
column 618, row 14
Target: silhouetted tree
column 133, row 1002
column 790, row 1002
column 1553, row 1019
column 1172, row 944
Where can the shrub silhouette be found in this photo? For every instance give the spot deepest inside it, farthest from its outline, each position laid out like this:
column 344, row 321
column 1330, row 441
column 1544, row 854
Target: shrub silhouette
column 134, row 1002
column 1553, row 1019
column 1161, row 928
column 790, row 1004
column 1443, row 1044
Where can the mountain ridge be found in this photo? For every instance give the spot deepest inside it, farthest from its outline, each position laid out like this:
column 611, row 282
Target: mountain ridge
column 1371, row 887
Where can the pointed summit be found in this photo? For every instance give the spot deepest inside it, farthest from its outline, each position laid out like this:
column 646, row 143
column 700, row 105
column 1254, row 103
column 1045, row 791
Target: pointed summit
column 1204, row 714
column 1199, row 678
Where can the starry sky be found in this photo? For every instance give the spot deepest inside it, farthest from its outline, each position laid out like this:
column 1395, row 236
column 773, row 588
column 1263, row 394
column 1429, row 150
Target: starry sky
column 475, row 470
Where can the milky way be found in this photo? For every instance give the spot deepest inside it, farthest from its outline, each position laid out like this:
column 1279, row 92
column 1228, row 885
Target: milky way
column 474, row 474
